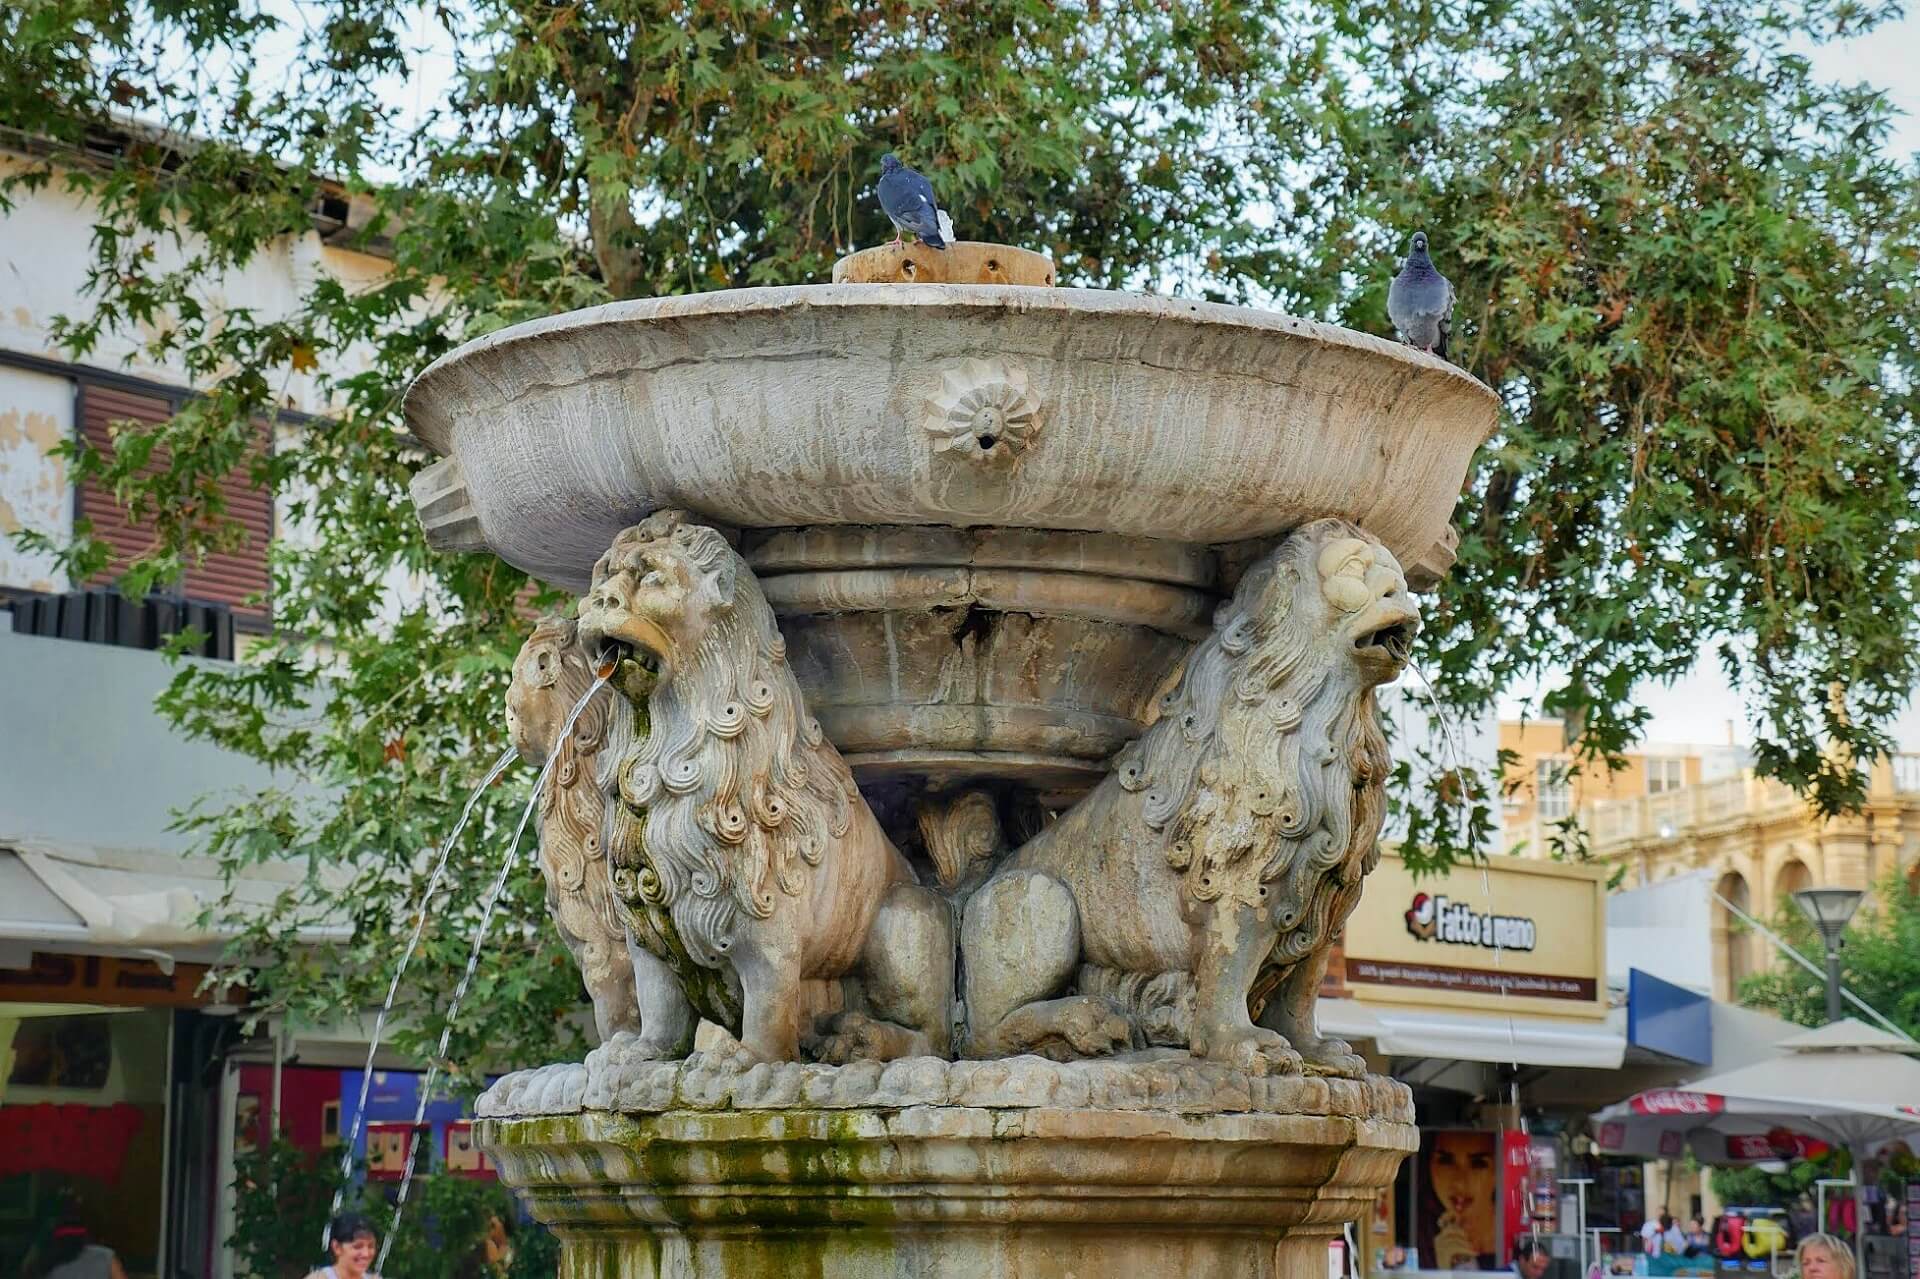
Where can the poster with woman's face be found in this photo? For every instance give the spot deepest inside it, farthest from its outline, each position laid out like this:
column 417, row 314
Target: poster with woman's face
column 1459, row 1184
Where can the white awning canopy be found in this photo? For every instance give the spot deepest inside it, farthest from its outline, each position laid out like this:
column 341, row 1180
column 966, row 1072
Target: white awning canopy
column 59, row 894
column 1463, row 1036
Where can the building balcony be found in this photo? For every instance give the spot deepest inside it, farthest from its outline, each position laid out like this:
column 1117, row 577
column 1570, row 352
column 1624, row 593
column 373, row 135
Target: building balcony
column 1616, row 826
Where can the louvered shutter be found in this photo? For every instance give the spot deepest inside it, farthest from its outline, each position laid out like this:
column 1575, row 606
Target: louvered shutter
column 225, row 578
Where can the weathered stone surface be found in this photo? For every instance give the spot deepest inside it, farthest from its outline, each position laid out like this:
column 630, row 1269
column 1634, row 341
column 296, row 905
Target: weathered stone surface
column 803, row 406
column 550, row 676
column 995, row 525
column 963, row 262
column 745, row 859
column 617, row 1078
column 1019, row 1188
column 1206, row 877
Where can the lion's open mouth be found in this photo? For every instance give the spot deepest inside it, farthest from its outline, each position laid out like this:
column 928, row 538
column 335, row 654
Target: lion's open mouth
column 1396, row 640
column 615, row 653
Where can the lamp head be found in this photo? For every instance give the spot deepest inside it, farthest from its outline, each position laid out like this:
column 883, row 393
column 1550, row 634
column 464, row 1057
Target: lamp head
column 1829, row 909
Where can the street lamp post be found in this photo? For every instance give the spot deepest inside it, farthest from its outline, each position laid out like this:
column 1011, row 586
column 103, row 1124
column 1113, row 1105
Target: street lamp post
column 1830, row 909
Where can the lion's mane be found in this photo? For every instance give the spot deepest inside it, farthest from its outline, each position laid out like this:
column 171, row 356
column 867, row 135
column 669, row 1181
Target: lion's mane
column 741, row 798
column 572, row 805
column 1230, row 771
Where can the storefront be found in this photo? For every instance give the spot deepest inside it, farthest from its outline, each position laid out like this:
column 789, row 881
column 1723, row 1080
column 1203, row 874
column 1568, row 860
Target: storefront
column 110, row 1096
column 1470, row 988
column 305, row 1082
column 97, row 1118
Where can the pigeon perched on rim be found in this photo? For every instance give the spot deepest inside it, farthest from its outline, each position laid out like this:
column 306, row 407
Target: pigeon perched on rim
column 906, row 197
column 1420, row 301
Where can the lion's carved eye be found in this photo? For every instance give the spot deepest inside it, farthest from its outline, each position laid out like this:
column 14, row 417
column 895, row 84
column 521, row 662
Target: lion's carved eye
column 655, row 578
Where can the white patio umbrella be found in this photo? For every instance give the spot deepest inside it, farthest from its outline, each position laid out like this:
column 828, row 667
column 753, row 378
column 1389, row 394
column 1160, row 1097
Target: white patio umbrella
column 1846, row 1083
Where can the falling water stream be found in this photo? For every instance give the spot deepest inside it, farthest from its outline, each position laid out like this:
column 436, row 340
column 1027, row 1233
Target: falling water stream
column 421, row 911
column 473, row 962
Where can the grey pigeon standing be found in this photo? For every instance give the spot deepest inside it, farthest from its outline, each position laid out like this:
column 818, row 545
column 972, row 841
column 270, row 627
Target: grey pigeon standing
column 1420, row 301
column 907, row 199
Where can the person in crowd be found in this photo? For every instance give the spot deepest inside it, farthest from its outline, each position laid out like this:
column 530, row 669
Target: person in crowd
column 72, row 1254
column 1650, row 1236
column 492, row 1257
column 1896, row 1218
column 1530, row 1258
column 1824, row 1257
column 353, row 1242
column 1699, row 1242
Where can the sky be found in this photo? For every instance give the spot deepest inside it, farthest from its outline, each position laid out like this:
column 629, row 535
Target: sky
column 1889, row 59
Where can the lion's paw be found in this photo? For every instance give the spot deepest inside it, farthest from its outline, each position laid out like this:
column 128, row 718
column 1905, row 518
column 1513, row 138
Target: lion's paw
column 1094, row 1028
column 1254, row 1049
column 1331, row 1057
column 852, row 1036
column 725, row 1055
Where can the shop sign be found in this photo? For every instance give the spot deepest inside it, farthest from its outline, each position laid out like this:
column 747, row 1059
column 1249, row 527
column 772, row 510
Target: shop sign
column 1514, row 935
column 1674, row 1101
column 103, row 979
column 1439, row 918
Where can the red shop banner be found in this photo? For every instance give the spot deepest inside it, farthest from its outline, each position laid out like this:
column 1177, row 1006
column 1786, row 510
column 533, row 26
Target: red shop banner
column 85, row 1141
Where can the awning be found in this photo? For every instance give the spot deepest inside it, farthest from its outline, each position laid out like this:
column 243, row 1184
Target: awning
column 60, row 894
column 1523, row 1041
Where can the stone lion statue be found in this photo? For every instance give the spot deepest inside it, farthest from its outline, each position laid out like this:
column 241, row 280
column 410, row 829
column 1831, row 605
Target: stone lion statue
column 748, row 861
column 550, row 676
column 1204, row 879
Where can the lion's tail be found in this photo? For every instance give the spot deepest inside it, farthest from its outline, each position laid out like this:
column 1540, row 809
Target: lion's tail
column 961, row 834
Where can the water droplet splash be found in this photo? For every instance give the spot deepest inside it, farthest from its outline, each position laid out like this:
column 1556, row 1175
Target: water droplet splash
column 494, row 894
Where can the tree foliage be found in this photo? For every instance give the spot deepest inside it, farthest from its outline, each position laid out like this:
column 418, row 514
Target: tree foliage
column 1686, row 265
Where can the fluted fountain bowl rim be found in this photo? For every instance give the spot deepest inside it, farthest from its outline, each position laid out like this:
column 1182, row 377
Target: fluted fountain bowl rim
column 807, row 405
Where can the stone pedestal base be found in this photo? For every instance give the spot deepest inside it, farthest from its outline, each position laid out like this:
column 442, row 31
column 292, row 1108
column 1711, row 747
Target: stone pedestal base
column 1022, row 1169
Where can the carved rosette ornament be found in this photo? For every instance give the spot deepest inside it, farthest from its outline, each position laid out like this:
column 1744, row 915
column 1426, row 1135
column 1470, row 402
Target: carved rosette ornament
column 986, row 411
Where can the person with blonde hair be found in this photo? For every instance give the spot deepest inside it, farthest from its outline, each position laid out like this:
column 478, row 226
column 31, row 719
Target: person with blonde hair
column 1824, row 1257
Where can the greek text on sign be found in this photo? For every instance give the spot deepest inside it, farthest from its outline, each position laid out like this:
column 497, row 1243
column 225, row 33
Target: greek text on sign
column 1440, row 918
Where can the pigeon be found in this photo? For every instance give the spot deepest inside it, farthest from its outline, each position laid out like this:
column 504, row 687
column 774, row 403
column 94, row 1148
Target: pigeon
column 907, row 199
column 1420, row 301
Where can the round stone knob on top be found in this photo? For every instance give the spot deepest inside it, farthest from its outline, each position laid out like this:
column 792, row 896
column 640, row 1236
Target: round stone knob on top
column 963, row 262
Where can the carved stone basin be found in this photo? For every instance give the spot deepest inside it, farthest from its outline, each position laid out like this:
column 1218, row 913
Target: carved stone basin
column 991, row 517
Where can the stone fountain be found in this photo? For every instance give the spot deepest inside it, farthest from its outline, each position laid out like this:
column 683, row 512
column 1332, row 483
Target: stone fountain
column 993, row 761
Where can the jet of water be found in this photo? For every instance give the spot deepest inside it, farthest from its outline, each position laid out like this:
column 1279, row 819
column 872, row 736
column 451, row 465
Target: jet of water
column 1446, row 725
column 420, row 913
column 466, row 977
column 1486, row 880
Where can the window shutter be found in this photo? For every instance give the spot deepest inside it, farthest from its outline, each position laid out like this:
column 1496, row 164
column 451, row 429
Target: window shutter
column 226, row 578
